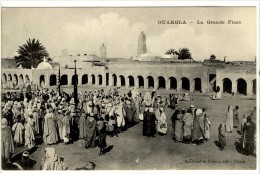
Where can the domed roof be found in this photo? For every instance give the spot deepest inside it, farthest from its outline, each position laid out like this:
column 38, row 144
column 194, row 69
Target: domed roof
column 44, row 65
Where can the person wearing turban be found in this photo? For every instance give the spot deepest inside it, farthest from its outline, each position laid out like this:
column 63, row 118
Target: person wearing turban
column 51, row 161
column 82, row 124
column 198, row 133
column 91, row 129
column 18, row 130
column 50, row 135
column 162, row 125
column 249, row 137
column 66, row 121
column 29, row 131
column 150, row 123
column 6, row 140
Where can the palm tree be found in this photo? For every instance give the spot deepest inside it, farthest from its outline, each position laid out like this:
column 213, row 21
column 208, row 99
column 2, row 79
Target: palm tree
column 184, row 53
column 31, row 53
column 171, row 51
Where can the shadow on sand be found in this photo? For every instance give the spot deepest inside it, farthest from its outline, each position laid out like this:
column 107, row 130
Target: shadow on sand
column 239, row 146
column 217, row 143
column 108, row 149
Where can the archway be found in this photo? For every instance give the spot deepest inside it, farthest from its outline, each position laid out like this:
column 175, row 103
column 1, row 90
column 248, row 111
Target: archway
column 100, row 79
column 161, row 82
column 84, row 79
column 114, row 80
column 4, row 78
column 173, row 83
column 64, row 80
column 140, row 81
column 42, row 81
column 254, row 86
column 197, row 84
column 185, row 83
column 241, row 86
column 10, row 77
column 212, row 82
column 131, row 81
column 27, row 79
column 74, row 79
column 15, row 79
column 93, row 79
column 150, row 82
column 227, row 85
column 21, row 81
column 53, row 80
column 122, row 80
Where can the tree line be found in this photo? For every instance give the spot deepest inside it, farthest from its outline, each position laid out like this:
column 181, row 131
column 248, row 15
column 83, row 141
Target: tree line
column 182, row 53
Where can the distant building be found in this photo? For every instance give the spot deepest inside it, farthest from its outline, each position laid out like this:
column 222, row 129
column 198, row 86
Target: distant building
column 8, row 63
column 145, row 71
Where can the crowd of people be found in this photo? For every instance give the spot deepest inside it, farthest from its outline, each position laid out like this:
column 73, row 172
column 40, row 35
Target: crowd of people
column 191, row 125
column 55, row 117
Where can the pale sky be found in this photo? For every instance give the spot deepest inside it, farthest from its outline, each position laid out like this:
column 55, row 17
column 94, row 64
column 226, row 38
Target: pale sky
column 83, row 30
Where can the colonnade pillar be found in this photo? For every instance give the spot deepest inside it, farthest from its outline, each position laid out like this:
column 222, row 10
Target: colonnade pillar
column 104, row 80
column 79, row 79
column 179, row 85
column 167, row 84
column 192, row 85
column 145, row 83
column 204, row 86
column 127, row 82
column 119, row 83
column 69, row 80
column 136, row 82
column 110, row 83
column 47, row 80
column 249, row 88
column 234, row 86
column 156, row 83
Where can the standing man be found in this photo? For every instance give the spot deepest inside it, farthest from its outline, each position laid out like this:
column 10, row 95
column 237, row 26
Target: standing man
column 6, row 140
column 236, row 117
column 150, row 123
column 249, row 137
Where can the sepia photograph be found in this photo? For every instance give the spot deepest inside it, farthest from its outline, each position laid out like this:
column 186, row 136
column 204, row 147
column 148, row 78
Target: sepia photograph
column 129, row 88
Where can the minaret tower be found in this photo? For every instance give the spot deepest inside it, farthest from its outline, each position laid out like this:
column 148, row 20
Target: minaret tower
column 141, row 44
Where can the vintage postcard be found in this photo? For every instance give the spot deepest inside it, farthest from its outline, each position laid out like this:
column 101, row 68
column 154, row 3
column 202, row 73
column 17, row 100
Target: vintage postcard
column 129, row 88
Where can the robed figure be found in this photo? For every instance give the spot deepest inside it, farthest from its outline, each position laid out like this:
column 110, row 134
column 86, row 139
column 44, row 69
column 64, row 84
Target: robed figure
column 198, row 127
column 150, row 123
column 179, row 126
column 6, row 140
column 187, row 125
column 146, row 110
column 82, row 125
column 91, row 126
column 18, row 130
column 50, row 135
column 249, row 138
column 229, row 119
column 66, row 124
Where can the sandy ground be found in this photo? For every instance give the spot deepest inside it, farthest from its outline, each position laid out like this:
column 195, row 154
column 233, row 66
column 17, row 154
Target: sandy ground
column 132, row 151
